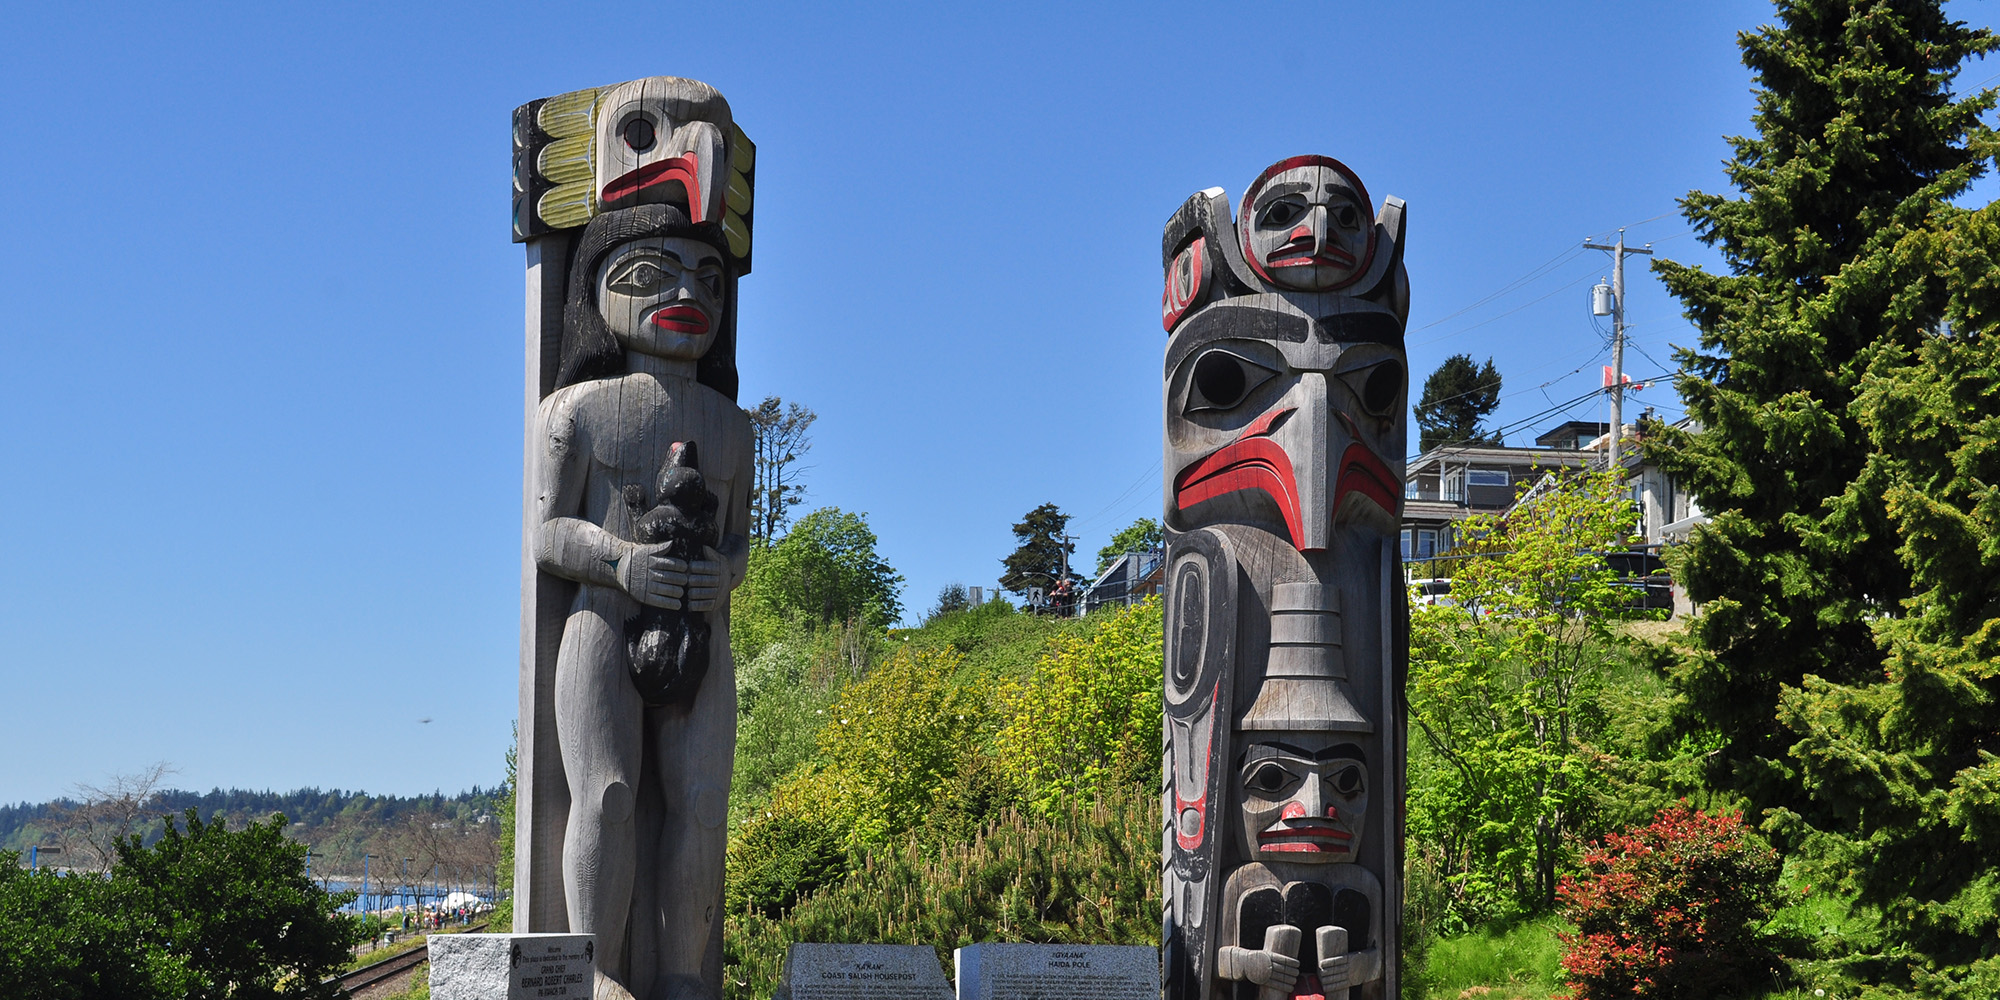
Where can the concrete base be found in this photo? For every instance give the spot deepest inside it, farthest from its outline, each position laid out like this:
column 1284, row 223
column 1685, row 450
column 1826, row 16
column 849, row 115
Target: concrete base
column 512, row 966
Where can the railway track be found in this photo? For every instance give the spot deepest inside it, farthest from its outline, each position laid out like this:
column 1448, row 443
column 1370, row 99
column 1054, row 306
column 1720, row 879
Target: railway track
column 377, row 973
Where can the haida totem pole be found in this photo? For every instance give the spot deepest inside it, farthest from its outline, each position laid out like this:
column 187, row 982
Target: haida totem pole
column 634, row 203
column 1285, row 628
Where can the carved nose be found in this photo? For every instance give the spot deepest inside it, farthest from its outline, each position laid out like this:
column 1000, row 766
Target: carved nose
column 1304, row 437
column 1299, row 233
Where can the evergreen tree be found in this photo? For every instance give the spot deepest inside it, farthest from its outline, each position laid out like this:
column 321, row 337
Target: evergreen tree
column 1043, row 553
column 1834, row 417
column 1457, row 396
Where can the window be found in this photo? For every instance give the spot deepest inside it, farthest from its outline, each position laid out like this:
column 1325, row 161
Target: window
column 1486, row 477
column 1406, row 543
column 1427, row 542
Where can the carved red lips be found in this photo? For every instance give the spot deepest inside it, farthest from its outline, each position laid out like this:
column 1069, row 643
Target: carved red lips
column 681, row 319
column 1305, row 840
column 1299, row 252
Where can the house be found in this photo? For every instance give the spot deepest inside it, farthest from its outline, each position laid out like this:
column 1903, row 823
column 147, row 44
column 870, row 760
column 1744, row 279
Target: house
column 1445, row 485
column 1131, row 576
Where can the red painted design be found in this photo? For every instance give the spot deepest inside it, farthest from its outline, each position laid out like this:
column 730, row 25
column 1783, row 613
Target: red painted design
column 1308, row 987
column 1252, row 462
column 1181, row 292
column 1199, row 804
column 1305, row 840
column 1364, row 473
column 681, row 319
column 683, row 169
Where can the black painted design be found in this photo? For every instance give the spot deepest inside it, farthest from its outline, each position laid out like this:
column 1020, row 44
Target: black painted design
column 667, row 652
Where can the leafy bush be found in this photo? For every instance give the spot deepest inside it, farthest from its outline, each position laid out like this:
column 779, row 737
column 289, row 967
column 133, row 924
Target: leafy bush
column 70, row 937
column 203, row 913
column 1087, row 875
column 1089, row 715
column 889, row 747
column 1671, row 909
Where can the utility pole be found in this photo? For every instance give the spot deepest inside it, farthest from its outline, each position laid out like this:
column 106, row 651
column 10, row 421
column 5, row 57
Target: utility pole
column 1618, row 253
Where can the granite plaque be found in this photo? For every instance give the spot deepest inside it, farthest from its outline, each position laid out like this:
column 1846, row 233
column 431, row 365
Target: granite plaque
column 863, row 972
column 1058, row 972
column 512, row 966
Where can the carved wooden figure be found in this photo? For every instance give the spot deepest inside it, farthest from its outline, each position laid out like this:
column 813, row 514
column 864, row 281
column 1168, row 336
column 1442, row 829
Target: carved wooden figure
column 1285, row 390
column 634, row 203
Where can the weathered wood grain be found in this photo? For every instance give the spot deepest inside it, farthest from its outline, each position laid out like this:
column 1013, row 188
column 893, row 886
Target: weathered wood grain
column 1284, row 388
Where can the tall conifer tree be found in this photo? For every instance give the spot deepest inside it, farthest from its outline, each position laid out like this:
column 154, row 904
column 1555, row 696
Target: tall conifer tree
column 1824, row 458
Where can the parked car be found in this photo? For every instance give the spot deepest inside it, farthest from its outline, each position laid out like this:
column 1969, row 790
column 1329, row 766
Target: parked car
column 1433, row 593
column 1646, row 577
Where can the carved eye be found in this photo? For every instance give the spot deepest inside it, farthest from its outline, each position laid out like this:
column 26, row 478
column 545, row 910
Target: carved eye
column 1346, row 217
column 1379, row 390
column 711, row 279
column 638, row 133
column 1282, row 212
column 1348, row 781
column 1269, row 778
column 1222, row 380
column 643, row 276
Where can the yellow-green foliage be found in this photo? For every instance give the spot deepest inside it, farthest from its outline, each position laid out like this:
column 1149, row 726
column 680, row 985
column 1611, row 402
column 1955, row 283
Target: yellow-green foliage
column 890, row 745
column 1088, row 717
column 1085, row 875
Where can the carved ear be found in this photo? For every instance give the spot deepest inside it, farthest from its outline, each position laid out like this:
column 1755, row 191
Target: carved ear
column 1386, row 270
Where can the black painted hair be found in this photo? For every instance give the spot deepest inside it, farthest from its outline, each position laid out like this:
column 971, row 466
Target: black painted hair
column 589, row 351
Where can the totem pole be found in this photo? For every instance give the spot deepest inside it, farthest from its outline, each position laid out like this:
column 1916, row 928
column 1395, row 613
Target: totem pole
column 634, row 203
column 1285, row 627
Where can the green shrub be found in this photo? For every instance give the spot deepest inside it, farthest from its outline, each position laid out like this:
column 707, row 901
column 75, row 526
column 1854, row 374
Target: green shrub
column 203, row 913
column 1088, row 875
column 1088, row 716
column 889, row 747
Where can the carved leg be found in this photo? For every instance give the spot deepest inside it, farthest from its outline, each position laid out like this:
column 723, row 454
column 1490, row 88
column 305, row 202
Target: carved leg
column 697, row 749
column 598, row 719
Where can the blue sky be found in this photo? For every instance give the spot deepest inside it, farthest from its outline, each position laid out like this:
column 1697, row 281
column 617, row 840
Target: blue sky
column 262, row 320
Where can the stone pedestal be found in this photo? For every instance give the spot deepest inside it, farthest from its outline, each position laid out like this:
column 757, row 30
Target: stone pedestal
column 512, row 966
column 862, row 972
column 1058, row 972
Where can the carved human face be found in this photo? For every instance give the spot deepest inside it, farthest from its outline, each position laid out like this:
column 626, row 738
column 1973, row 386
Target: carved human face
column 662, row 296
column 1304, row 798
column 1308, row 228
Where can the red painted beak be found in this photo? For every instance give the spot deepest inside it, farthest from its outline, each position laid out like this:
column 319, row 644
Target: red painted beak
column 1361, row 471
column 682, row 169
column 1251, row 462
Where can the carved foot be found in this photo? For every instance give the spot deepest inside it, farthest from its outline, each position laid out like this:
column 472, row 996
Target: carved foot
column 606, row 988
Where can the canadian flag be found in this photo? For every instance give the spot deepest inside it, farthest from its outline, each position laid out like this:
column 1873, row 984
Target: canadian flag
column 1627, row 379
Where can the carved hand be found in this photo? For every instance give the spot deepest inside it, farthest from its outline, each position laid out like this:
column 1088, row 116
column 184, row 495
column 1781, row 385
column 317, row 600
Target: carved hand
column 1333, row 973
column 706, row 581
column 654, row 578
column 1270, row 969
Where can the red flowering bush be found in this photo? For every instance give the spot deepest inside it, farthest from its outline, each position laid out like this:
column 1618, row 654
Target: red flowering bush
column 1670, row 909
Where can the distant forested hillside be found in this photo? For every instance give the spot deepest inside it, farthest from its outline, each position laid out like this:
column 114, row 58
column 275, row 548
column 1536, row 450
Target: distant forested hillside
column 453, row 831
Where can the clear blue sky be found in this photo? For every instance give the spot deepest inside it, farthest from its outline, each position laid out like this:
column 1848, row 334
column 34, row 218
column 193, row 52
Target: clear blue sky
column 262, row 320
